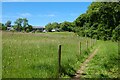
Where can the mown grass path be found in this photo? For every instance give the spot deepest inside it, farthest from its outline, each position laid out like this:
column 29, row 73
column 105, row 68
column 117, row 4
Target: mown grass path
column 84, row 64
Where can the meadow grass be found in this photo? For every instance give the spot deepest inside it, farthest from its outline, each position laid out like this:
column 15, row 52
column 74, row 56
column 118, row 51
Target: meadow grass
column 105, row 63
column 35, row 55
column 0, row 54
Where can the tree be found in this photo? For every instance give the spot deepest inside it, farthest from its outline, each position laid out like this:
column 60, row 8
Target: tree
column 55, row 25
column 22, row 24
column 115, row 33
column 29, row 28
column 25, row 22
column 103, row 17
column 18, row 23
column 8, row 23
column 49, row 27
column 66, row 26
column 2, row 27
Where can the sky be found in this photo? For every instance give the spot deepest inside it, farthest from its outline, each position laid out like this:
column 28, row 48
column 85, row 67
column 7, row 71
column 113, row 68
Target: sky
column 60, row 0
column 42, row 13
column 48, row 0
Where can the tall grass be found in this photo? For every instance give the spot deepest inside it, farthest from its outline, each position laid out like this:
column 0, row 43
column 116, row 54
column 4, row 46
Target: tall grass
column 0, row 54
column 35, row 55
column 105, row 63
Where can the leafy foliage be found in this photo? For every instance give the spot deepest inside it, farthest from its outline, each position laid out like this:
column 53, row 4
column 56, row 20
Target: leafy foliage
column 22, row 24
column 8, row 23
column 2, row 27
column 65, row 26
column 49, row 27
column 101, row 21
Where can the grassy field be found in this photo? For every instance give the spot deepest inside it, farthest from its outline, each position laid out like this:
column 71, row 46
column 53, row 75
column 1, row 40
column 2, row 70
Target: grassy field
column 105, row 63
column 0, row 54
column 35, row 55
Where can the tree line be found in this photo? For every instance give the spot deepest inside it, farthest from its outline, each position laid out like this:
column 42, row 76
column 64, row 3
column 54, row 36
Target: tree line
column 65, row 26
column 101, row 21
column 21, row 24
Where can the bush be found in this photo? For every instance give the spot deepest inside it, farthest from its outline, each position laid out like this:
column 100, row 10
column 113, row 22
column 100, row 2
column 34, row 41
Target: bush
column 4, row 28
column 27, row 30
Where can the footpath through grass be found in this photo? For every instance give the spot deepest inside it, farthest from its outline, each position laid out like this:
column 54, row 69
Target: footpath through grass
column 105, row 62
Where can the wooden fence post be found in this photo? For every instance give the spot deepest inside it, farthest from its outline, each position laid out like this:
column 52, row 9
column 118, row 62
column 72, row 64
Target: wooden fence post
column 80, row 48
column 59, row 61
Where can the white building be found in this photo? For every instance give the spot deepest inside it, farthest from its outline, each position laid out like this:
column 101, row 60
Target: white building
column 44, row 31
column 55, row 30
column 10, row 28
